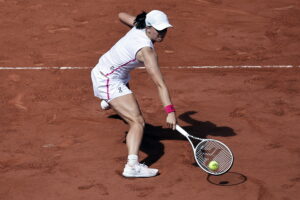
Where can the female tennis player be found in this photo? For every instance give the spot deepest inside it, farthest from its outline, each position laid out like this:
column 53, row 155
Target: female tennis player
column 111, row 75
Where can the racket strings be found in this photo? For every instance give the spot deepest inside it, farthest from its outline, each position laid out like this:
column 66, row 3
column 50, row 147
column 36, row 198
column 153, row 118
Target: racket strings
column 212, row 150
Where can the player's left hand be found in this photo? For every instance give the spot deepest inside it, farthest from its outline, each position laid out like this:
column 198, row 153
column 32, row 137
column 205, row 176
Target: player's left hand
column 171, row 120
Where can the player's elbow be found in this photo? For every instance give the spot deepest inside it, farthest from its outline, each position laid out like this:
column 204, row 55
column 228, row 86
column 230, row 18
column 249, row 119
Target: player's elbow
column 121, row 16
column 126, row 19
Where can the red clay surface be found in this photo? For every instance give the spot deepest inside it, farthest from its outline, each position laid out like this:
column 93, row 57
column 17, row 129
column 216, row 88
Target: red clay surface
column 56, row 143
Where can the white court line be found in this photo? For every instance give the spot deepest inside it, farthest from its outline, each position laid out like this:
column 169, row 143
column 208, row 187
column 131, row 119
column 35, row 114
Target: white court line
column 242, row 66
column 41, row 68
column 174, row 67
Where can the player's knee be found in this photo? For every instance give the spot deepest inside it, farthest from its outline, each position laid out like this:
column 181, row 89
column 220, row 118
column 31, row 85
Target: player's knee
column 138, row 120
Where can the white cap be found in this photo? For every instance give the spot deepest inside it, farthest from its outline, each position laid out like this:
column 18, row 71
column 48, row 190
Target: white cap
column 158, row 20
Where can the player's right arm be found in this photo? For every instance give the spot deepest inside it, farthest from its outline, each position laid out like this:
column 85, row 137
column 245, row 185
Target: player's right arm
column 126, row 18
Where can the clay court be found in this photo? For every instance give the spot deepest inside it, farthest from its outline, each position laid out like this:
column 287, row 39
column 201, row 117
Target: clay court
column 57, row 144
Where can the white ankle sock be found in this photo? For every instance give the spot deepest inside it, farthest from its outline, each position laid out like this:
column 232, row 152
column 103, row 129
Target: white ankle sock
column 132, row 159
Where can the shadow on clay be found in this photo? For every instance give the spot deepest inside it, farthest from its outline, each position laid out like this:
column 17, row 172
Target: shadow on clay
column 154, row 149
column 152, row 146
column 227, row 179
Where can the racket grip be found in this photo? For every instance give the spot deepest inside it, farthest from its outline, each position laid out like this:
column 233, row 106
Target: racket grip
column 181, row 130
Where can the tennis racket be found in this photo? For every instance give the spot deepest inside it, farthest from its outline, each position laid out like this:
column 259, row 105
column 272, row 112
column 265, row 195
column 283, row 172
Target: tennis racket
column 208, row 150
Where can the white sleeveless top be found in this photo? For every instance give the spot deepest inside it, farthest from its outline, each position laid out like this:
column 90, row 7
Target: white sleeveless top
column 121, row 58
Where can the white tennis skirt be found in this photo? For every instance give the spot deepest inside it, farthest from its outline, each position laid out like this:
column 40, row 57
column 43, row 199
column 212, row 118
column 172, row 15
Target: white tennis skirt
column 107, row 88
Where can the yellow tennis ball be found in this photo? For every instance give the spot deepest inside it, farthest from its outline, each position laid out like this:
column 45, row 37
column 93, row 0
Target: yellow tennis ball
column 213, row 165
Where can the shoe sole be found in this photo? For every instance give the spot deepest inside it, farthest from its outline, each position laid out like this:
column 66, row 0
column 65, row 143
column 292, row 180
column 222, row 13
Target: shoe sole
column 138, row 176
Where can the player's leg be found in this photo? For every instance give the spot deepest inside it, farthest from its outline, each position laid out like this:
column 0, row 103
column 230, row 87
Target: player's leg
column 127, row 107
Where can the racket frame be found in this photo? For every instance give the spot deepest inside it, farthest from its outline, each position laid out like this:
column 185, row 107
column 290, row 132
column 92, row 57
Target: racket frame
column 188, row 136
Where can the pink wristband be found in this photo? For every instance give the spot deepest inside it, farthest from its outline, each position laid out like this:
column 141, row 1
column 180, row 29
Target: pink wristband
column 169, row 108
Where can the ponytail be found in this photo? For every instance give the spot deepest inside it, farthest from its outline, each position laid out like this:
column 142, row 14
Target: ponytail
column 140, row 20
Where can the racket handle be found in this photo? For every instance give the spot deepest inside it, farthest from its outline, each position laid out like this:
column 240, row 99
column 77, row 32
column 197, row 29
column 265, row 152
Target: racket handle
column 181, row 130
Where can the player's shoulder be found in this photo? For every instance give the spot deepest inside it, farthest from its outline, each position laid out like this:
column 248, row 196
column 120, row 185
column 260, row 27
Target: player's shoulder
column 148, row 51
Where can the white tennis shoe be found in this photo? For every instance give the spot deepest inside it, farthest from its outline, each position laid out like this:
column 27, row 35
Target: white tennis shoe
column 139, row 171
column 104, row 105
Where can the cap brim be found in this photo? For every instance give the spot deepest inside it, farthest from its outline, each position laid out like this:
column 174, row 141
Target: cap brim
column 162, row 26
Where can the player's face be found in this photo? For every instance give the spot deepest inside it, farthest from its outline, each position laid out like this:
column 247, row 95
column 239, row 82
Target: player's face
column 156, row 35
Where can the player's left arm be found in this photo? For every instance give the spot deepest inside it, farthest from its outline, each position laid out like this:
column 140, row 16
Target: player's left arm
column 149, row 57
column 126, row 18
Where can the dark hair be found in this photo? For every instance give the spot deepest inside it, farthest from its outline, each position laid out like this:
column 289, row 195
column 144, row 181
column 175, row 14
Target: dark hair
column 140, row 20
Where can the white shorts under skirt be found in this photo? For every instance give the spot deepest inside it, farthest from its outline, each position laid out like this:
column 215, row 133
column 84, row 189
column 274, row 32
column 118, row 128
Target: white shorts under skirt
column 106, row 88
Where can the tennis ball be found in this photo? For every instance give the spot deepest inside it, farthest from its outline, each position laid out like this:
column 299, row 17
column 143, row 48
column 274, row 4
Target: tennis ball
column 213, row 165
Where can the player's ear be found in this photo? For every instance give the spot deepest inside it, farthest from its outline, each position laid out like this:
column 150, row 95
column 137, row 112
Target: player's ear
column 148, row 29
